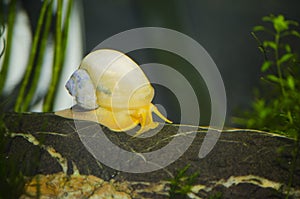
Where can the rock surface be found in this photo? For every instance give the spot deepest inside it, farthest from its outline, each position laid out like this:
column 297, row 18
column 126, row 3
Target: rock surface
column 243, row 163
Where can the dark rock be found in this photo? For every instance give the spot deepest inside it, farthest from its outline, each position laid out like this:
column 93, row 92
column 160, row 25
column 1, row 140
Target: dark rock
column 243, row 163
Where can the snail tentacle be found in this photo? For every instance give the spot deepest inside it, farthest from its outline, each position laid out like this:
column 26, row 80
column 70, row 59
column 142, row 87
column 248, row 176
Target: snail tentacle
column 82, row 88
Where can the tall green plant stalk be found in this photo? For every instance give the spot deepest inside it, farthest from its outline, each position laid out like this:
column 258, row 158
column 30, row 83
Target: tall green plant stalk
column 2, row 39
column 36, row 58
column 278, row 65
column 48, row 103
column 61, row 36
column 10, row 30
column 39, row 62
column 2, row 30
column 64, row 43
column 30, row 65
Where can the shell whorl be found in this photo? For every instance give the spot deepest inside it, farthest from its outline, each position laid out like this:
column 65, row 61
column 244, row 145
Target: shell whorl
column 115, row 80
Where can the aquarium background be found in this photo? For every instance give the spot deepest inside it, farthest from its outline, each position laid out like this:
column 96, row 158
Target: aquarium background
column 221, row 27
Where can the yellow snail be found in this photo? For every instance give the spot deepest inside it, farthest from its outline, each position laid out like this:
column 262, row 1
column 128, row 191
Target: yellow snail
column 113, row 91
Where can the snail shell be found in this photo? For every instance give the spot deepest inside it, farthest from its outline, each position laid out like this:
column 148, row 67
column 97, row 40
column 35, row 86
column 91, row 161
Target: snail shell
column 114, row 92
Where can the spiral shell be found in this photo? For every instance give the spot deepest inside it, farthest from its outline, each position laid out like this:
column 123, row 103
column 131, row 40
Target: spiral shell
column 112, row 87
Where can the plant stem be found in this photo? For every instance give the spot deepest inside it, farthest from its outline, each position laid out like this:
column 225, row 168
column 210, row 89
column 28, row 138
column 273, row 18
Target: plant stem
column 39, row 62
column 10, row 30
column 57, row 63
column 65, row 33
column 29, row 69
column 278, row 66
column 3, row 40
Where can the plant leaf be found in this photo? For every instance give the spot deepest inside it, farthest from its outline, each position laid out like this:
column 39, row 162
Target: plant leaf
column 285, row 58
column 273, row 78
column 291, row 82
column 266, row 65
column 259, row 28
column 295, row 33
column 270, row 44
column 291, row 22
column 268, row 18
column 280, row 24
column 288, row 48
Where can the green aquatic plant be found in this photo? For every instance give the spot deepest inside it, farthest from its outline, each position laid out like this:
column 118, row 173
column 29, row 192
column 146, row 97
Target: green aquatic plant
column 29, row 84
column 9, row 32
column 61, row 38
column 12, row 180
column 217, row 195
column 33, row 73
column 277, row 105
column 182, row 183
column 2, row 28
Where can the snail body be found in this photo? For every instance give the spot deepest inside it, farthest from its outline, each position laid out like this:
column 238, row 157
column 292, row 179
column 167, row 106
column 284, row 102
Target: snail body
column 113, row 91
